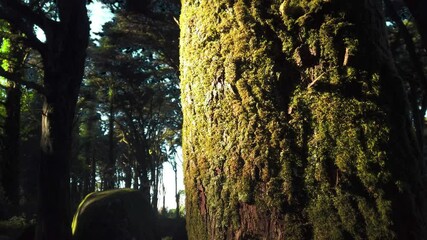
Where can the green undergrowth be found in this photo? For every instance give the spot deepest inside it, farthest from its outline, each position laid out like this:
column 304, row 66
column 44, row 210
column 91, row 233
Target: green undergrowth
column 14, row 226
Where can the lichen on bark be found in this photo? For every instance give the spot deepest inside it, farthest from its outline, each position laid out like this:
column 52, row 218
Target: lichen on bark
column 289, row 124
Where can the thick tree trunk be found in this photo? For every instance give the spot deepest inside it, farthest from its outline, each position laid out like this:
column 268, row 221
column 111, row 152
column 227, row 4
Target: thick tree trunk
column 54, row 194
column 63, row 71
column 10, row 164
column 140, row 153
column 145, row 184
column 11, row 167
column 296, row 124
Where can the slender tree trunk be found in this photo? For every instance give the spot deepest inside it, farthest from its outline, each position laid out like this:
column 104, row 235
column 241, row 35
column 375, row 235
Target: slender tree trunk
column 109, row 178
column 74, row 193
column 87, row 183
column 63, row 72
column 93, row 172
column 175, row 171
column 128, row 174
column 137, row 172
column 164, row 196
column 296, row 124
column 155, row 199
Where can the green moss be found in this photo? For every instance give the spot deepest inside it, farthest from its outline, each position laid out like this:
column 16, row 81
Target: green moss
column 284, row 118
column 322, row 214
column 15, row 226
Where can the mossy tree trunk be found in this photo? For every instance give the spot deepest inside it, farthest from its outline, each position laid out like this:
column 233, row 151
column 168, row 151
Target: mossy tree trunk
column 296, row 124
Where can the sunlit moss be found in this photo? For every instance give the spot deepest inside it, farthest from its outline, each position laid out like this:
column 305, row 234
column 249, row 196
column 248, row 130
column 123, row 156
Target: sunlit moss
column 4, row 51
column 283, row 120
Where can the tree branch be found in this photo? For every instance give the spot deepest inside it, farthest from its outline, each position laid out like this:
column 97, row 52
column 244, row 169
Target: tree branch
column 32, row 85
column 22, row 18
column 25, row 12
column 16, row 79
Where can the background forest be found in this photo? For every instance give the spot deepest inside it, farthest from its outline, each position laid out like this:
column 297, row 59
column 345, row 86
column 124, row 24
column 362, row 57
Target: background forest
column 127, row 120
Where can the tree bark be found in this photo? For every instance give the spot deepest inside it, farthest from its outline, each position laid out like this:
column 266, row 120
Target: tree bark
column 93, row 172
column 175, row 170
column 109, row 178
column 11, row 168
column 296, row 124
column 10, row 164
column 144, row 186
column 63, row 61
column 128, row 175
column 155, row 180
column 88, row 185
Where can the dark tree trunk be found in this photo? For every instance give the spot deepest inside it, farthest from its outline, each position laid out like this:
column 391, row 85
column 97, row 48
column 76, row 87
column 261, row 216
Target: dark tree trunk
column 109, row 178
column 128, row 176
column 137, row 172
column 10, row 169
column 74, row 193
column 175, row 170
column 93, row 173
column 63, row 61
column 54, row 194
column 145, row 184
column 142, row 166
column 164, row 196
column 89, row 153
column 63, row 56
column 30, row 162
column 155, row 176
